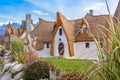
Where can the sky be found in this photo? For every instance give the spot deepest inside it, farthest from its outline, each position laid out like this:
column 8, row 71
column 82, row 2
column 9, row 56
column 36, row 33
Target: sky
column 15, row 10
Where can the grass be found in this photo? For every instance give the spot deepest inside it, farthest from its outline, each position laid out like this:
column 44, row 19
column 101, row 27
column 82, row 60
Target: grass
column 108, row 68
column 70, row 65
column 17, row 47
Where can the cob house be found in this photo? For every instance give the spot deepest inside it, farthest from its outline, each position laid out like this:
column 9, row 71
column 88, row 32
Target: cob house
column 63, row 37
column 26, row 27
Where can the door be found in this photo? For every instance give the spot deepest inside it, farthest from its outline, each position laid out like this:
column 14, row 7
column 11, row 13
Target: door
column 61, row 49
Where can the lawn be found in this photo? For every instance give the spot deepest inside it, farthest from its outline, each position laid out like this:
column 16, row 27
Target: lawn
column 70, row 65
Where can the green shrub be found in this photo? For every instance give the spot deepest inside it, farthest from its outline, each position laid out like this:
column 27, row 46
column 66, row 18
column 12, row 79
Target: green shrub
column 16, row 45
column 17, row 49
column 72, row 76
column 39, row 70
column 20, row 57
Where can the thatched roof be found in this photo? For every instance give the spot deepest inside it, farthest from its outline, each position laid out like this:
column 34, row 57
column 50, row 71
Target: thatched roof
column 98, row 24
column 17, row 32
column 11, row 30
column 43, row 31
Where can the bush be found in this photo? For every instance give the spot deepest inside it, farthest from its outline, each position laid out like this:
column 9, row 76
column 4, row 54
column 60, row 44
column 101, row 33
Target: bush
column 39, row 70
column 72, row 76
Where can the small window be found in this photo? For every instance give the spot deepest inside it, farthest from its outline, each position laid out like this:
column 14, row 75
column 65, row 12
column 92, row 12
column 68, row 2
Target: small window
column 87, row 45
column 59, row 39
column 85, row 28
column 60, row 31
column 47, row 45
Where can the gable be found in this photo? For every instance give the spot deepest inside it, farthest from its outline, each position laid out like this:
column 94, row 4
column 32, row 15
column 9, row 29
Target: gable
column 69, row 32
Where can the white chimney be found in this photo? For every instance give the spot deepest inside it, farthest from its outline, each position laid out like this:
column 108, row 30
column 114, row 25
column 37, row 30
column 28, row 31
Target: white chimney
column 28, row 24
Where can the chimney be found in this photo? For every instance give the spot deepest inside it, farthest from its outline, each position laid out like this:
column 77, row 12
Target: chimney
column 28, row 24
column 91, row 12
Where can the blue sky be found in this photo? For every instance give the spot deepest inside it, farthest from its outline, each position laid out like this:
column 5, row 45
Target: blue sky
column 15, row 10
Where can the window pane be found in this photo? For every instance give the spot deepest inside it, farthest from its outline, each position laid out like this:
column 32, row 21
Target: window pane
column 87, row 45
column 60, row 31
column 47, row 45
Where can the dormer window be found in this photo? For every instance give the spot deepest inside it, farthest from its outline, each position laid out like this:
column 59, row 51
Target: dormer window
column 85, row 28
column 60, row 31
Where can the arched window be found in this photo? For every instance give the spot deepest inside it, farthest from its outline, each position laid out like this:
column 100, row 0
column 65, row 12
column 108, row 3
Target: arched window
column 85, row 28
column 60, row 31
column 61, row 49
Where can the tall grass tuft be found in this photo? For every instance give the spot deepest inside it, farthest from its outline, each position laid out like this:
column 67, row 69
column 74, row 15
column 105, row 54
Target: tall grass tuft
column 108, row 68
column 16, row 44
column 17, row 49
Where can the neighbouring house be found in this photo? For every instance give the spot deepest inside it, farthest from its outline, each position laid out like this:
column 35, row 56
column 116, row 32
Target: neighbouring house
column 63, row 37
column 22, row 32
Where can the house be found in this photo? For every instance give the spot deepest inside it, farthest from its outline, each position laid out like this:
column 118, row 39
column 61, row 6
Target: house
column 63, row 37
column 67, row 38
column 22, row 32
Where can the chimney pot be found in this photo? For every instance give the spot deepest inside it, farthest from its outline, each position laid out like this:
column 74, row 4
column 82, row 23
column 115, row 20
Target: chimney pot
column 91, row 12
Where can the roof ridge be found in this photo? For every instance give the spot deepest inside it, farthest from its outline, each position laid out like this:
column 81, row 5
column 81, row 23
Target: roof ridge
column 40, row 19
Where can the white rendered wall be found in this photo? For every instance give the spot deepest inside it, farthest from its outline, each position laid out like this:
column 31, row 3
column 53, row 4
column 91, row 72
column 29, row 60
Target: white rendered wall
column 81, row 52
column 45, row 52
column 32, row 27
column 64, row 41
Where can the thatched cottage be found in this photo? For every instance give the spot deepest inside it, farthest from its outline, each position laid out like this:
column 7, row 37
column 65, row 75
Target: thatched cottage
column 63, row 37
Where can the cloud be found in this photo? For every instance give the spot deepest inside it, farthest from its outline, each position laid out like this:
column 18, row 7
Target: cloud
column 6, row 22
column 47, row 9
column 96, row 6
column 40, row 12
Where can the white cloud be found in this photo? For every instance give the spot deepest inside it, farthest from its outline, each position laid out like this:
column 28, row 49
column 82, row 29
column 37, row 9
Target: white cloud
column 6, row 22
column 40, row 12
column 73, row 11
column 96, row 6
column 1, row 23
